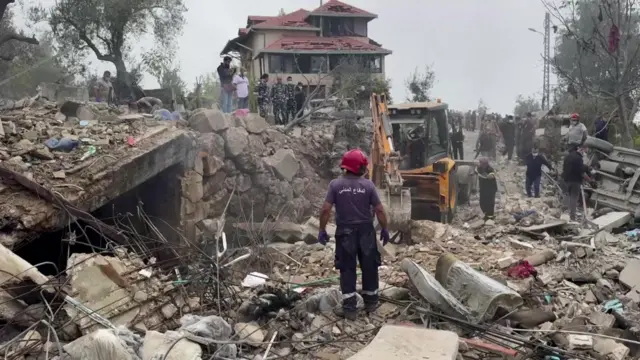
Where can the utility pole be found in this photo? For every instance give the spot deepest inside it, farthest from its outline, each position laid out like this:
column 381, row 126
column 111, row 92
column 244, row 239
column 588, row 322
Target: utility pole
column 546, row 88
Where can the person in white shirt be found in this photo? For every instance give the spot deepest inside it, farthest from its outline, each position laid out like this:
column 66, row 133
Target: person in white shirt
column 241, row 84
column 577, row 134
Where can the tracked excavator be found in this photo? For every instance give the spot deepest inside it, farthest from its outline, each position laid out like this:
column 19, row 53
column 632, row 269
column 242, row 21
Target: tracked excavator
column 412, row 166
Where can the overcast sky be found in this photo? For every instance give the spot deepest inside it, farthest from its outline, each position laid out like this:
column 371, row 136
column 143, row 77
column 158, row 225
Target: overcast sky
column 478, row 48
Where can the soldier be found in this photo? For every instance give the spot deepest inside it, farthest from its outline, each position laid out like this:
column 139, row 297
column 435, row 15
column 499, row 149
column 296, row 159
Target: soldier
column 290, row 113
column 263, row 95
column 279, row 101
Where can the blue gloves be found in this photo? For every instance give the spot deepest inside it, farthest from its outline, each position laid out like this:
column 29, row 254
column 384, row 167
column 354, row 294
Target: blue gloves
column 384, row 235
column 323, row 237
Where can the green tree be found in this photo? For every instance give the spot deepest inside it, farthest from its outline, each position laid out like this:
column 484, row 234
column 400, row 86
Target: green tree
column 109, row 28
column 598, row 54
column 419, row 84
column 161, row 66
column 12, row 42
column 525, row 105
column 28, row 64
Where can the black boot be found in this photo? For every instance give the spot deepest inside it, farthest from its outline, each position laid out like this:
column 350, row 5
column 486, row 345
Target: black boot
column 370, row 307
column 348, row 314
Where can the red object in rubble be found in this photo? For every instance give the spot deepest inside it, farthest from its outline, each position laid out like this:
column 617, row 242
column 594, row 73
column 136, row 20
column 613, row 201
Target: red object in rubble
column 522, row 270
column 131, row 140
column 614, row 38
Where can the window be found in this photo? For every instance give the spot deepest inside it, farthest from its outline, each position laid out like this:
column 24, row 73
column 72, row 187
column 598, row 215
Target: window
column 338, row 27
column 281, row 64
column 374, row 63
column 318, row 64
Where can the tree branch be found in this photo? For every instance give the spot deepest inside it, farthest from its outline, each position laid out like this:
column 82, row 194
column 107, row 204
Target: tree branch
column 17, row 37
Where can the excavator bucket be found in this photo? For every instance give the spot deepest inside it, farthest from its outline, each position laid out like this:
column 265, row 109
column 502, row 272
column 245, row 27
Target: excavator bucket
column 397, row 206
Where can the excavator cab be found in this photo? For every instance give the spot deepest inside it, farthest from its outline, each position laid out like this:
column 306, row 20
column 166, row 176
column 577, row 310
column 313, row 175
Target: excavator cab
column 421, row 132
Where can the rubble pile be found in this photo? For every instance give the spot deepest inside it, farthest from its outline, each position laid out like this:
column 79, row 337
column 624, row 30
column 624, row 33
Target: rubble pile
column 271, row 174
column 49, row 142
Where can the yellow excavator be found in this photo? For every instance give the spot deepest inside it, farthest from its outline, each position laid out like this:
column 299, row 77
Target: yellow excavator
column 411, row 163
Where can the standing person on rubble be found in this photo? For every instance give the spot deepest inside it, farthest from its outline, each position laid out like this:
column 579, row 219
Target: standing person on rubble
column 508, row 130
column 241, row 84
column 577, row 134
column 527, row 136
column 290, row 112
column 300, row 98
column 457, row 142
column 279, row 101
column 103, row 91
column 534, row 162
column 354, row 198
column 574, row 171
column 263, row 95
column 486, row 144
column 488, row 187
column 225, row 74
column 602, row 129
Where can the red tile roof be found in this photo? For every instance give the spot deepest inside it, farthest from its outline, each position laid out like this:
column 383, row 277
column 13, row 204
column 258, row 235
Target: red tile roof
column 242, row 31
column 259, row 18
column 338, row 7
column 322, row 43
column 294, row 19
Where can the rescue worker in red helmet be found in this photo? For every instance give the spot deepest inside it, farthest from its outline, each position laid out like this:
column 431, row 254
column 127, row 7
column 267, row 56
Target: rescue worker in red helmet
column 577, row 134
column 354, row 198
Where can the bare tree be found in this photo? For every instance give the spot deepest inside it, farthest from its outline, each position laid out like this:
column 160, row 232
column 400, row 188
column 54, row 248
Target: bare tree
column 350, row 78
column 598, row 53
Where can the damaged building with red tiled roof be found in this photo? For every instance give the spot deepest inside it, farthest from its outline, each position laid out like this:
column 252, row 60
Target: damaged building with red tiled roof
column 306, row 44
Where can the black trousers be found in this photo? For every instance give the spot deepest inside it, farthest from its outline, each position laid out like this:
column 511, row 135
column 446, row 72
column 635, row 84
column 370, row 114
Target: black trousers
column 458, row 151
column 508, row 149
column 487, row 202
column 357, row 243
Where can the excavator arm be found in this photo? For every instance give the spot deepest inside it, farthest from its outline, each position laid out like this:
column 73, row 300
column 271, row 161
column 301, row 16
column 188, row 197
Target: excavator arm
column 384, row 168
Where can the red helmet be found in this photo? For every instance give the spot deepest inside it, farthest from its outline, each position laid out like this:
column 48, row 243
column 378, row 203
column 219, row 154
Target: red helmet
column 575, row 116
column 355, row 161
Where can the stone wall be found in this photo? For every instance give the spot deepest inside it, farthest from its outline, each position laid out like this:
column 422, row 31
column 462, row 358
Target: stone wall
column 270, row 174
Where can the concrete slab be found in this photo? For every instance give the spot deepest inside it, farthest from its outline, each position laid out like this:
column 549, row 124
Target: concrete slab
column 612, row 220
column 410, row 343
column 629, row 275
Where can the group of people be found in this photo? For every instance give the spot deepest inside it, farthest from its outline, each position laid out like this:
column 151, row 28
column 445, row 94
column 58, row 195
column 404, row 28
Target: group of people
column 285, row 99
column 574, row 171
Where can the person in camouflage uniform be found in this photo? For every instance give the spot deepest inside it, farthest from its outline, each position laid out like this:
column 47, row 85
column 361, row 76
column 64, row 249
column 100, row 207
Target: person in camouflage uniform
column 263, row 95
column 279, row 101
column 290, row 113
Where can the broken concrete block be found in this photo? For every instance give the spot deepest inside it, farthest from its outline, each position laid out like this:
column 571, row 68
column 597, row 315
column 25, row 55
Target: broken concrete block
column 611, row 349
column 629, row 275
column 249, row 332
column 520, row 244
column 580, row 342
column 156, row 346
column 235, row 141
column 612, row 220
column 192, row 187
column 284, row 163
column 255, row 124
column 505, row 262
column 409, row 343
column 602, row 320
column 541, row 257
column 59, row 174
column 209, row 120
column 102, row 344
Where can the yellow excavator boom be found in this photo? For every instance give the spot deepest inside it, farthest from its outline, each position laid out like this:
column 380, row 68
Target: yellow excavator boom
column 384, row 169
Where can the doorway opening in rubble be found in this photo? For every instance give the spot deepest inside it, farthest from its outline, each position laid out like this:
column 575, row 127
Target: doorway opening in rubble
column 148, row 215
